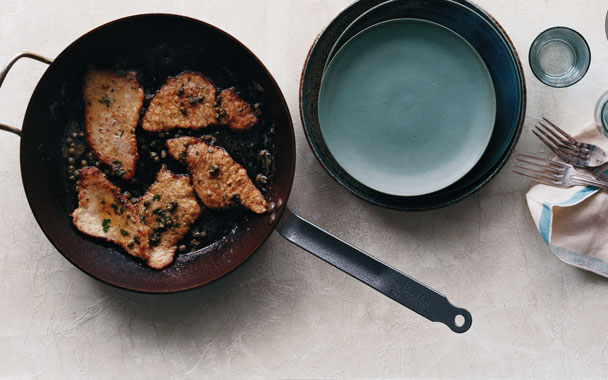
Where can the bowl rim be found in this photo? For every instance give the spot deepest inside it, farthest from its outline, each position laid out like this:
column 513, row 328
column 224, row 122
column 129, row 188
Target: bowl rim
column 479, row 150
column 582, row 73
column 398, row 202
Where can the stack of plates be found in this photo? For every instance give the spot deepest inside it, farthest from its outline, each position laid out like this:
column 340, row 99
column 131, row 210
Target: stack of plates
column 412, row 104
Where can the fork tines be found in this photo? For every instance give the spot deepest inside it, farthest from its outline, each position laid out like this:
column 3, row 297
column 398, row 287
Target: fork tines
column 561, row 143
column 545, row 171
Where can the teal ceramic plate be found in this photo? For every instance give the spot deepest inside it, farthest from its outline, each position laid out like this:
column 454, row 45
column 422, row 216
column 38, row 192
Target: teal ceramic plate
column 407, row 107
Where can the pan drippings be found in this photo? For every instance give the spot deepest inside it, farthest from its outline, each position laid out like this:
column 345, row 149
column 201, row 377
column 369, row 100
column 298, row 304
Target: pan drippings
column 253, row 149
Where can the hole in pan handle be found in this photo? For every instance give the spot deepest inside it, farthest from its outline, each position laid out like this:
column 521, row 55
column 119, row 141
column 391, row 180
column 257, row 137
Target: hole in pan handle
column 5, row 71
column 371, row 271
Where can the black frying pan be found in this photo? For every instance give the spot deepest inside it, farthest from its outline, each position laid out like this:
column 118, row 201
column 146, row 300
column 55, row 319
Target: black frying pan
column 162, row 45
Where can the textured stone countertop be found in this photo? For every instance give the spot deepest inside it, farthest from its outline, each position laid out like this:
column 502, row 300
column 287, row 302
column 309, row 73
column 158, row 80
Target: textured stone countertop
column 284, row 313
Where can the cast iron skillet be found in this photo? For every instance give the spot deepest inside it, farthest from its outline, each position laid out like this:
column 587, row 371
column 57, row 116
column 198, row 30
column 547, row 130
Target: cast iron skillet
column 163, row 45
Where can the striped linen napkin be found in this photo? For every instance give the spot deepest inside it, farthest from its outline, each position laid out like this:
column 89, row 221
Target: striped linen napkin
column 574, row 221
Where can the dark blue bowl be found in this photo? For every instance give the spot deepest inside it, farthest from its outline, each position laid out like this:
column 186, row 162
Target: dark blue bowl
column 474, row 25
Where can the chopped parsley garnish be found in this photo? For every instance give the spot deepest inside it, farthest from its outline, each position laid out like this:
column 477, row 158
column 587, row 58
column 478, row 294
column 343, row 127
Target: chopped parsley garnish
column 117, row 167
column 154, row 238
column 103, row 201
column 214, row 170
column 136, row 240
column 117, row 210
column 123, row 232
column 194, row 100
column 105, row 100
column 106, row 225
column 156, row 197
column 171, row 206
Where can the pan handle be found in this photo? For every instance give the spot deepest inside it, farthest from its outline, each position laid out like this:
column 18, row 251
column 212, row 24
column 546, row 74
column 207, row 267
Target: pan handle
column 5, row 71
column 371, row 271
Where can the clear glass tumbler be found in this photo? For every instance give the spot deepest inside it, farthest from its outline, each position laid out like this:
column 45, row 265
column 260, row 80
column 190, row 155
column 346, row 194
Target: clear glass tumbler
column 559, row 57
column 601, row 114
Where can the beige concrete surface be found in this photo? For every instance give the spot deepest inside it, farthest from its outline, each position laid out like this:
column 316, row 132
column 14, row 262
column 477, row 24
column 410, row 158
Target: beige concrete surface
column 284, row 313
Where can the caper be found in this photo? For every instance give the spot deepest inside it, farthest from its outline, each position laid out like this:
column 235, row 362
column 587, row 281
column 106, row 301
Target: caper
column 83, row 163
column 71, row 151
column 72, row 178
column 133, row 200
column 71, row 168
column 203, row 233
column 182, row 247
column 195, row 243
column 71, row 145
column 97, row 163
column 265, row 159
column 90, row 156
column 71, row 161
column 75, row 135
column 270, row 207
column 127, row 194
column 163, row 154
column 77, row 173
column 261, row 179
column 156, row 159
column 76, row 188
column 69, row 140
column 196, row 233
column 153, row 154
column 81, row 134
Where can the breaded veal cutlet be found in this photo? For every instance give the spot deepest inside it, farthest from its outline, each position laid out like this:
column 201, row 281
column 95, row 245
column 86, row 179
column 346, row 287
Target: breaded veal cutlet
column 112, row 102
column 103, row 212
column 189, row 101
column 168, row 208
column 219, row 181
column 184, row 101
column 235, row 112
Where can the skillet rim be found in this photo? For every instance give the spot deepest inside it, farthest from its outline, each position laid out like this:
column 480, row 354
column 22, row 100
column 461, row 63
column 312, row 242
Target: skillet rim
column 287, row 185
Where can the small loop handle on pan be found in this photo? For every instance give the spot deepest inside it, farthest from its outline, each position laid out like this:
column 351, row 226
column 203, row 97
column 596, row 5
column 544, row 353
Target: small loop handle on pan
column 394, row 284
column 5, row 71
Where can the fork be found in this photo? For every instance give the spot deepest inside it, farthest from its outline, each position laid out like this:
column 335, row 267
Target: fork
column 568, row 149
column 554, row 173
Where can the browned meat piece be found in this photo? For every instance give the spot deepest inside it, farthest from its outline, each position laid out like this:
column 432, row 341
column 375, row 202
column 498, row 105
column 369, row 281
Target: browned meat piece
column 185, row 101
column 218, row 180
column 178, row 148
column 168, row 208
column 112, row 105
column 105, row 213
column 235, row 112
